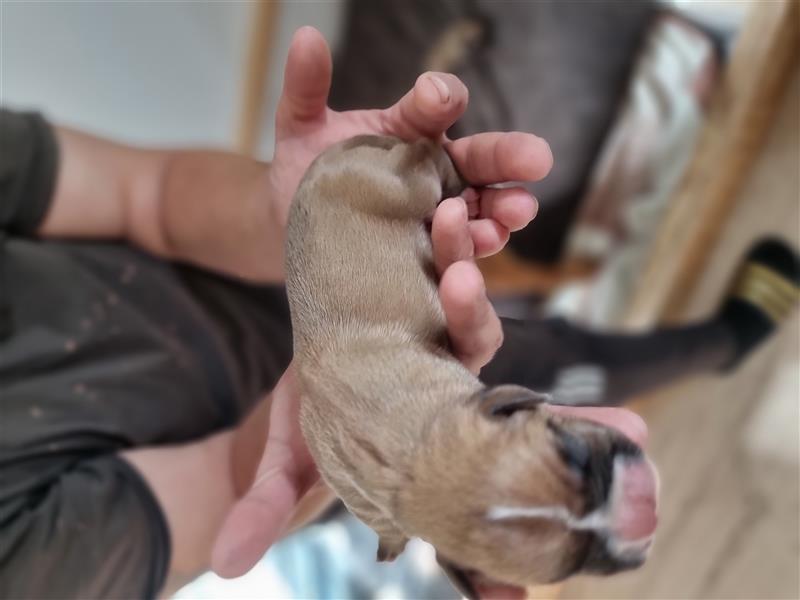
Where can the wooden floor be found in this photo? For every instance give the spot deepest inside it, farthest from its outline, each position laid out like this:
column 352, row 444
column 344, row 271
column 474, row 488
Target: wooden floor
column 727, row 456
column 728, row 449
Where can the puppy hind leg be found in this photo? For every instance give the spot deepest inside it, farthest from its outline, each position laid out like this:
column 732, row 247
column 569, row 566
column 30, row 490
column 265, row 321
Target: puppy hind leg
column 453, row 183
column 440, row 174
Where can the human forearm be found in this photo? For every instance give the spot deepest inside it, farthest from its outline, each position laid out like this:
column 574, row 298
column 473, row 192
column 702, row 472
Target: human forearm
column 213, row 209
column 98, row 185
column 192, row 485
column 216, row 210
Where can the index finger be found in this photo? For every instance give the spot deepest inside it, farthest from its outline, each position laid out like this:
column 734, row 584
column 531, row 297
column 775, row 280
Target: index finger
column 497, row 157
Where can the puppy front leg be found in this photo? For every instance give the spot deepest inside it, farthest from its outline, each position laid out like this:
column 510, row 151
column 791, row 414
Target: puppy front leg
column 391, row 540
column 391, row 544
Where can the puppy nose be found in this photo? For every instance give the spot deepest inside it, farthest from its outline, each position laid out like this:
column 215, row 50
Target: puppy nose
column 635, row 510
column 625, row 540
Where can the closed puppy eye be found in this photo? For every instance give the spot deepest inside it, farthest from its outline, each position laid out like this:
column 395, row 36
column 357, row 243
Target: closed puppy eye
column 503, row 401
column 573, row 450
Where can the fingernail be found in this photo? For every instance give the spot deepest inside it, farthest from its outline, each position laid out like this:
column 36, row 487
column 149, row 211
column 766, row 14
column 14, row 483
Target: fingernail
column 441, row 87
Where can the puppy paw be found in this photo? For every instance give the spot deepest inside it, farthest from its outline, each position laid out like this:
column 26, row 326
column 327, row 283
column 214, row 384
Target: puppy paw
column 389, row 549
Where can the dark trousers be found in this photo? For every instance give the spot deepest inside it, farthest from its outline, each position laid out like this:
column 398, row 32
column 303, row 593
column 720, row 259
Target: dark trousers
column 579, row 366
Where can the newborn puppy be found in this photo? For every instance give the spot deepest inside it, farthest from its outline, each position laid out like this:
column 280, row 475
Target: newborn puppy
column 412, row 442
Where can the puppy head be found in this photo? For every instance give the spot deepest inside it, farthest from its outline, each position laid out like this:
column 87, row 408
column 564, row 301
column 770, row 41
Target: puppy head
column 511, row 491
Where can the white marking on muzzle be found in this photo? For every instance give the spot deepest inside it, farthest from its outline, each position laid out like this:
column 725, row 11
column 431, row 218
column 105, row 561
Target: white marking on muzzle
column 598, row 519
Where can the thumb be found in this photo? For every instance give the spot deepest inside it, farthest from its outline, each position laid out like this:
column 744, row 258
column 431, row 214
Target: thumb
column 260, row 518
column 306, row 78
column 255, row 523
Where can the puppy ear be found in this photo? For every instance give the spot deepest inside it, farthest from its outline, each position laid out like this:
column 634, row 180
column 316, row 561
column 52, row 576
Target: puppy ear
column 502, row 401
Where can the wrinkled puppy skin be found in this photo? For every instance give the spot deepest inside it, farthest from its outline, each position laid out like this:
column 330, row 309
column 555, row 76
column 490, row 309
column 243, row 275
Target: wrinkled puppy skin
column 410, row 440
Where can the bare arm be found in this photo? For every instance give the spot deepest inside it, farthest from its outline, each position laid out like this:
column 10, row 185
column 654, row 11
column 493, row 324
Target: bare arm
column 193, row 485
column 213, row 209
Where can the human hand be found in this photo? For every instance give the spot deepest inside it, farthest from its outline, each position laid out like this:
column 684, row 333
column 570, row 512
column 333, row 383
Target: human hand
column 305, row 127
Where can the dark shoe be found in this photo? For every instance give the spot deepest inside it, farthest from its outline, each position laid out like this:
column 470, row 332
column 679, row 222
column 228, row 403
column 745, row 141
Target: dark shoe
column 765, row 291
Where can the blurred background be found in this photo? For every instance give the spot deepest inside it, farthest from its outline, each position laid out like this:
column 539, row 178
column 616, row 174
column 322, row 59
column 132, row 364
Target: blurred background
column 674, row 127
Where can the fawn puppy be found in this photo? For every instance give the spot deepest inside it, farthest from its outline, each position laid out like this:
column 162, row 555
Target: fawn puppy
column 413, row 443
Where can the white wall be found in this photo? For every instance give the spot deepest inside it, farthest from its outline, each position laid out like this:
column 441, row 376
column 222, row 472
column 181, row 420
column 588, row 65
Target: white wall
column 146, row 72
column 325, row 15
